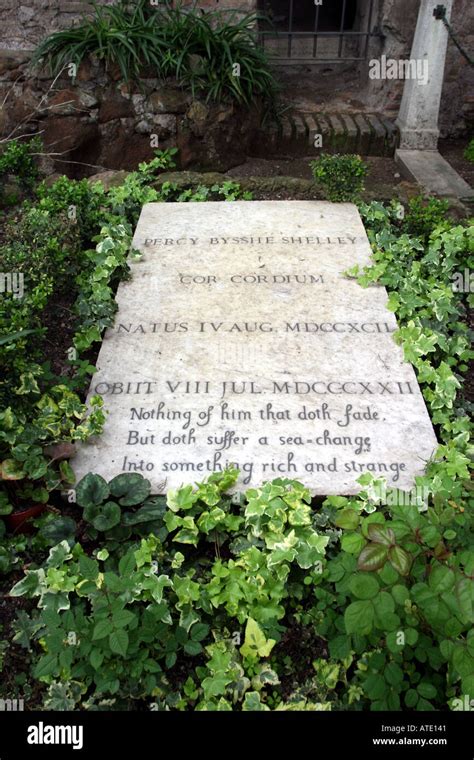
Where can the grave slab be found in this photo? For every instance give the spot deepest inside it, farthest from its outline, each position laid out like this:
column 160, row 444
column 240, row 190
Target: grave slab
column 240, row 340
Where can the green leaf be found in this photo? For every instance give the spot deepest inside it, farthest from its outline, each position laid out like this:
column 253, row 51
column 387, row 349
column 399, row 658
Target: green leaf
column 151, row 511
column 375, row 686
column 11, row 470
column 114, row 583
column 5, row 506
column 255, row 643
column 92, row 490
column 359, row 617
column 59, row 554
column 29, row 585
column 340, row 647
column 183, row 498
column 309, row 551
column 130, row 489
column 128, row 563
column 400, row 559
column 192, row 648
column 118, row 642
column 411, row 636
column 464, row 599
column 400, row 594
column 426, row 690
column 352, row 543
column 11, row 337
column 388, row 575
column 441, row 579
column 348, row 519
column 463, row 661
column 393, row 674
column 101, row 629
column 381, row 535
column 122, row 618
column 96, row 658
column 395, row 642
column 411, row 698
column 364, row 586
column 188, row 617
column 467, row 685
column 88, row 568
column 253, row 703
column 372, row 557
column 108, row 516
column 60, row 529
column 199, row 631
column 47, row 666
column 67, row 473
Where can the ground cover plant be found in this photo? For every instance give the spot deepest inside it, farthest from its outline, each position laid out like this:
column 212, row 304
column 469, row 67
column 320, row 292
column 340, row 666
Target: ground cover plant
column 201, row 600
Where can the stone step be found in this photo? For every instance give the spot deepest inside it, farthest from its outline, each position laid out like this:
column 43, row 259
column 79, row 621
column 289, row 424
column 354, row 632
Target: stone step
column 435, row 175
column 295, row 134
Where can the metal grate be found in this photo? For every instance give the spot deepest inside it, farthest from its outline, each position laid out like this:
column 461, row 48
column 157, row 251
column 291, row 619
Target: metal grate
column 299, row 31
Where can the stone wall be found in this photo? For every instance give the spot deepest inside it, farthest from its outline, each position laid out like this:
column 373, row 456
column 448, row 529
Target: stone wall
column 105, row 125
column 457, row 103
column 396, row 19
column 25, row 23
column 96, row 121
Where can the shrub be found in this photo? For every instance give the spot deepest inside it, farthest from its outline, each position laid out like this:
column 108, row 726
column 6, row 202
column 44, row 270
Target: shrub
column 43, row 245
column 469, row 152
column 78, row 202
column 340, row 176
column 424, row 215
column 18, row 158
column 201, row 50
column 18, row 169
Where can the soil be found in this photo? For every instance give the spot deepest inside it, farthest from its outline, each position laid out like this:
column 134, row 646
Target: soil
column 293, row 179
column 302, row 647
column 312, row 89
column 382, row 170
column 60, row 322
column 467, row 390
column 453, row 152
column 384, row 180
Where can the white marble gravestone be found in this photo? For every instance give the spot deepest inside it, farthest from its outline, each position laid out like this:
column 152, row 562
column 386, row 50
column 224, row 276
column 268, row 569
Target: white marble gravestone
column 239, row 340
